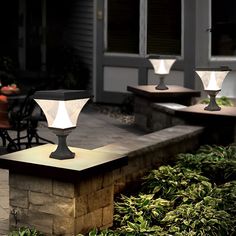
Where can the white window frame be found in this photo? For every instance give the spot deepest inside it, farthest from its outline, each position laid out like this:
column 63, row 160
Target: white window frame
column 142, row 31
column 203, row 40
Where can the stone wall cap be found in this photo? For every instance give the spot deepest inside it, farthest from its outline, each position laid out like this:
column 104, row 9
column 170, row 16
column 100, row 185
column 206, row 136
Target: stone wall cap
column 152, row 140
column 197, row 111
column 167, row 107
column 150, row 91
column 36, row 161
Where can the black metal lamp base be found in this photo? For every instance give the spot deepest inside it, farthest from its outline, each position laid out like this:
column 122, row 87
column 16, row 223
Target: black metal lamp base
column 62, row 152
column 212, row 106
column 161, row 85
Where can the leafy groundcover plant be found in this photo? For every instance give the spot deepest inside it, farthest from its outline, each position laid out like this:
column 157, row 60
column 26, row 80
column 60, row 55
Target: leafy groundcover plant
column 24, row 231
column 222, row 101
column 215, row 162
column 195, row 197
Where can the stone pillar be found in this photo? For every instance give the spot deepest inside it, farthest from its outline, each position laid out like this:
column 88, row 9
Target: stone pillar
column 4, row 202
column 61, row 197
column 146, row 95
column 143, row 113
column 61, row 208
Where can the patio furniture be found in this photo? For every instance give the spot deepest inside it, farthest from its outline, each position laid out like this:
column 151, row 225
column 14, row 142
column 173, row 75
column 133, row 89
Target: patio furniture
column 17, row 116
column 5, row 124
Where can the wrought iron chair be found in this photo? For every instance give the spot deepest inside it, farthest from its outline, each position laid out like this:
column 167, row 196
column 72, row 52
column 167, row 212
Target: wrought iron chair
column 34, row 119
column 5, row 125
column 20, row 119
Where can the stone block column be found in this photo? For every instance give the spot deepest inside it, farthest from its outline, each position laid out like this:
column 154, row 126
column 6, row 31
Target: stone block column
column 4, row 202
column 61, row 197
column 146, row 95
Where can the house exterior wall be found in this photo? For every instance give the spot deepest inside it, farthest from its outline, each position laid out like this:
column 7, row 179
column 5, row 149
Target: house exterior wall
column 196, row 43
column 203, row 56
column 115, row 71
column 85, row 30
column 80, row 32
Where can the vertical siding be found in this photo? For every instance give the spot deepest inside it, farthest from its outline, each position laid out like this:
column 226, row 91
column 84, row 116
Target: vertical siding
column 80, row 32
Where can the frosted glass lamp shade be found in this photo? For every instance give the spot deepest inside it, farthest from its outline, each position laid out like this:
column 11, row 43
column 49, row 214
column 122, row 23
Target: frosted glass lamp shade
column 212, row 80
column 162, row 66
column 62, row 109
column 62, row 114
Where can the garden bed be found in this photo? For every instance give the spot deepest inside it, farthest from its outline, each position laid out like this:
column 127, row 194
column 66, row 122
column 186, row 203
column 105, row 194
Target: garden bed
column 195, row 196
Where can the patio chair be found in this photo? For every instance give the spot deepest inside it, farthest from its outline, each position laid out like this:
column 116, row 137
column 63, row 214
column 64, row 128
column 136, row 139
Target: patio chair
column 5, row 124
column 19, row 115
column 20, row 119
column 35, row 118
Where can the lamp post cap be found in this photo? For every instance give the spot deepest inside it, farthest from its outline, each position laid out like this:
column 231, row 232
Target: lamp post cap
column 158, row 56
column 61, row 94
column 222, row 68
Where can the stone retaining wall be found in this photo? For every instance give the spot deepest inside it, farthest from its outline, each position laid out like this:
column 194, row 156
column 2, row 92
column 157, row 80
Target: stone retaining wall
column 68, row 208
column 151, row 151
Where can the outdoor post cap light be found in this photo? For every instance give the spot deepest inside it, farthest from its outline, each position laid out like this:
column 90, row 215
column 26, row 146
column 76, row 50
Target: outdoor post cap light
column 161, row 67
column 212, row 82
column 62, row 108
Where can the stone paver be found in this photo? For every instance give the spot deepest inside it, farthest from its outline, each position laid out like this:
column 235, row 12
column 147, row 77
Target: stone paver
column 93, row 130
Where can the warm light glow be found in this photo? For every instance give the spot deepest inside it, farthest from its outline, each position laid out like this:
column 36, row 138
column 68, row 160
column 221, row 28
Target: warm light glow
column 212, row 80
column 62, row 114
column 162, row 66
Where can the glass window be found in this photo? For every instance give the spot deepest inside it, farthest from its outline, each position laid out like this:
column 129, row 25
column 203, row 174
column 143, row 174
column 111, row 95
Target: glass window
column 164, row 27
column 123, row 26
column 223, row 40
column 159, row 32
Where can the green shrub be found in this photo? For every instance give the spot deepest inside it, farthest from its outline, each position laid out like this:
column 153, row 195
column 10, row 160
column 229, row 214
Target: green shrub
column 227, row 192
column 228, row 152
column 24, row 231
column 135, row 209
column 218, row 163
column 105, row 232
column 170, row 182
column 222, row 101
column 202, row 218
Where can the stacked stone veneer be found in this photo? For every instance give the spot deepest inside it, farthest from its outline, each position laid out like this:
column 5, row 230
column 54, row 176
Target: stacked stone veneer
column 61, row 208
column 163, row 116
column 68, row 208
column 143, row 113
column 4, row 202
column 151, row 151
column 151, row 116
